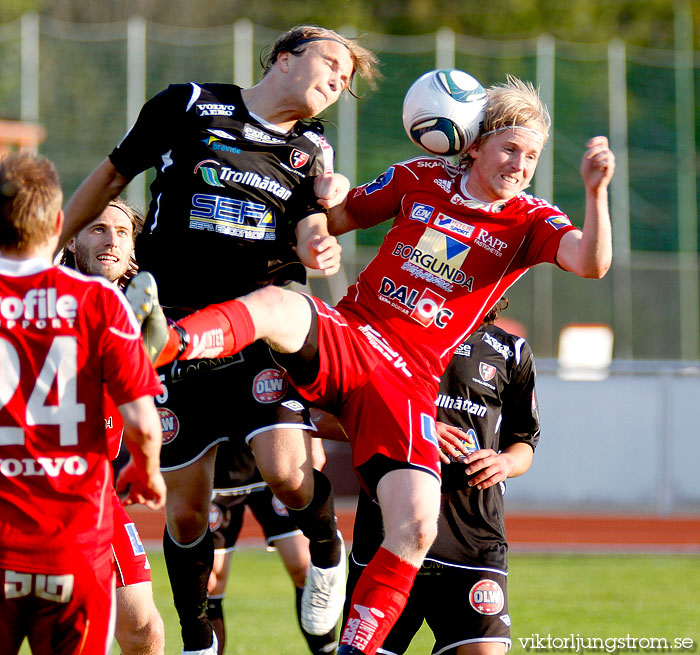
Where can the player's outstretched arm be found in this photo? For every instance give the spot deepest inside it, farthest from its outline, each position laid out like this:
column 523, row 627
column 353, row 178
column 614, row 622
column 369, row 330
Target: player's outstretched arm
column 589, row 253
column 91, row 198
column 143, row 438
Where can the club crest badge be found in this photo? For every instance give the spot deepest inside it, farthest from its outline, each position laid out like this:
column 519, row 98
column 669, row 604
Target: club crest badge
column 298, row 158
column 486, row 371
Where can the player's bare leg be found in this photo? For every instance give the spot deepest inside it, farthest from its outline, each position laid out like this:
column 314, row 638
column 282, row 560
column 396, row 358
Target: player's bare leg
column 139, row 629
column 217, row 592
column 410, row 502
column 284, row 460
column 294, row 552
column 482, row 648
column 188, row 548
column 278, row 316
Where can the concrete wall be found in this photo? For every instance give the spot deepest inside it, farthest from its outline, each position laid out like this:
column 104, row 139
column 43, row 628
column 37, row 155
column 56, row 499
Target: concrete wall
column 630, row 442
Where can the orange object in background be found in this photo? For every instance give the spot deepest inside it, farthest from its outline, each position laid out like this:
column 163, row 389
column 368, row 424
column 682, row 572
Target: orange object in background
column 16, row 135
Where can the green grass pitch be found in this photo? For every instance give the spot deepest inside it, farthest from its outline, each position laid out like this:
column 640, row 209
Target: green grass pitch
column 557, row 595
column 551, row 596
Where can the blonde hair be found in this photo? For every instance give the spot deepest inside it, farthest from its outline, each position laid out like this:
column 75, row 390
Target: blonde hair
column 30, row 199
column 512, row 104
column 293, row 41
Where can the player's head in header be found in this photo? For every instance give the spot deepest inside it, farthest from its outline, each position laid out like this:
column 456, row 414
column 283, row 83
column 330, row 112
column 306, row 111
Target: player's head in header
column 31, row 218
column 106, row 245
column 503, row 159
column 317, row 64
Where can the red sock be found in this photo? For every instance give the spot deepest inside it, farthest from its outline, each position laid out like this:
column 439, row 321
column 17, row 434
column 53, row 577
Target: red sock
column 218, row 331
column 378, row 600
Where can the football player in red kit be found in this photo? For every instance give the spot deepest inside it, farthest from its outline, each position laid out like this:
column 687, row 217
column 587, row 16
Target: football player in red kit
column 63, row 336
column 461, row 236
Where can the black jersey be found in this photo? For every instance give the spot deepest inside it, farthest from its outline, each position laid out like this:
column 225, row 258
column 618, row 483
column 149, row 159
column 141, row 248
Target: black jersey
column 227, row 196
column 488, row 390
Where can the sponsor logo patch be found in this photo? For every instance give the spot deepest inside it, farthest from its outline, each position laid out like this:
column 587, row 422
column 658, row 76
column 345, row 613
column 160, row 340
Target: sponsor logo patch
column 361, row 626
column 254, row 134
column 215, row 109
column 486, row 597
column 420, row 212
column 278, row 507
column 216, row 517
column 558, row 222
column 445, row 185
column 135, row 539
column 269, row 386
column 453, row 225
column 169, row 423
column 294, row 405
column 472, row 444
column 499, row 347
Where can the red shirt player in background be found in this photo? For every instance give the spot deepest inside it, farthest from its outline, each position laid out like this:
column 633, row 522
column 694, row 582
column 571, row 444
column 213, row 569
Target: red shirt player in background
column 106, row 247
column 461, row 236
column 62, row 336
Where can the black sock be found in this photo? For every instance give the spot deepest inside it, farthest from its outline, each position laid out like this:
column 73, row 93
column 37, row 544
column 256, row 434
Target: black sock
column 189, row 566
column 317, row 522
column 215, row 614
column 318, row 644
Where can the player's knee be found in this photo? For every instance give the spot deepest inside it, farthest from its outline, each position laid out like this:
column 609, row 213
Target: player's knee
column 188, row 522
column 141, row 633
column 425, row 533
column 289, row 486
column 416, row 536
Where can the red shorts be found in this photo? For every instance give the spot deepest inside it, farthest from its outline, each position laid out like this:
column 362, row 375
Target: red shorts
column 130, row 560
column 62, row 614
column 384, row 406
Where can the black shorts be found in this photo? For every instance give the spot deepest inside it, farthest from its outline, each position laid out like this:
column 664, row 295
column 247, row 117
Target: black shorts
column 226, row 516
column 460, row 606
column 208, row 401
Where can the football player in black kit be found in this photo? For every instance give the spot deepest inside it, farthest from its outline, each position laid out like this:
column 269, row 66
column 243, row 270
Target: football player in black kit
column 234, row 207
column 237, row 485
column 488, row 428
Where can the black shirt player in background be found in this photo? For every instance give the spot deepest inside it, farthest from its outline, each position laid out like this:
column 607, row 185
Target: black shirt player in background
column 488, row 427
column 234, row 209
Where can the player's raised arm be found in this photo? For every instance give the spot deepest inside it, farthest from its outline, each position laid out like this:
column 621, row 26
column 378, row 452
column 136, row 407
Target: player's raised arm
column 589, row 253
column 91, row 198
column 143, row 438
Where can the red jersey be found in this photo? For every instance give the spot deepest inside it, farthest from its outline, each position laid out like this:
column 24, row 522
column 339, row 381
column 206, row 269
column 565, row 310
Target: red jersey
column 62, row 337
column 446, row 260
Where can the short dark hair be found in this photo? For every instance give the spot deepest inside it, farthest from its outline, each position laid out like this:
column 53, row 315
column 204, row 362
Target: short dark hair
column 30, row 199
column 495, row 311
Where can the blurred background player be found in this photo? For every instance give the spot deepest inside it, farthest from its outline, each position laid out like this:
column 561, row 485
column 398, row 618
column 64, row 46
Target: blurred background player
column 461, row 236
column 106, row 247
column 233, row 210
column 62, row 337
column 238, row 484
column 488, row 426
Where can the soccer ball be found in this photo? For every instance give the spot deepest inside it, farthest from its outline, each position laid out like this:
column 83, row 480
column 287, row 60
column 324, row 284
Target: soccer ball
column 442, row 111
